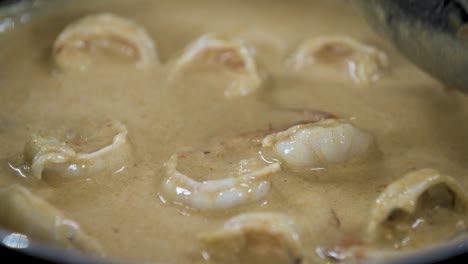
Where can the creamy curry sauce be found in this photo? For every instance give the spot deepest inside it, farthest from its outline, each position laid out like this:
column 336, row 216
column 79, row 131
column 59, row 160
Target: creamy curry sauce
column 416, row 123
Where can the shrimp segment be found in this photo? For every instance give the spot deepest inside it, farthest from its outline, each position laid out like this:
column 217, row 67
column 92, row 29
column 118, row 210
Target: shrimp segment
column 49, row 153
column 233, row 54
column 363, row 63
column 250, row 185
column 72, row 47
column 404, row 194
column 255, row 238
column 312, row 145
column 22, row 211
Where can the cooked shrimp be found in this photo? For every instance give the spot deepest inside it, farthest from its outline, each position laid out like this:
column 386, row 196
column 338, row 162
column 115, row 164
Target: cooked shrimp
column 404, row 195
column 255, row 137
column 363, row 63
column 72, row 47
column 51, row 154
column 233, row 54
column 24, row 212
column 317, row 144
column 249, row 185
column 255, row 238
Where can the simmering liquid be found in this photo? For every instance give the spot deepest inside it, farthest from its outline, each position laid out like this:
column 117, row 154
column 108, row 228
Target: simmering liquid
column 415, row 122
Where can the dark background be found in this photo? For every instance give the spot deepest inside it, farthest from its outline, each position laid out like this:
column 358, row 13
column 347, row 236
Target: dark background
column 6, row 2
column 10, row 256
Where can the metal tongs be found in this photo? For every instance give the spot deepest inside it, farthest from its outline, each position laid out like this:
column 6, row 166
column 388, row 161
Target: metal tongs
column 433, row 34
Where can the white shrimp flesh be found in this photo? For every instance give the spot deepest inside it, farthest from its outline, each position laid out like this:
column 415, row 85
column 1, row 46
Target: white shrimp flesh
column 314, row 145
column 360, row 62
column 258, row 237
column 50, row 154
column 234, row 55
column 404, row 205
column 77, row 45
column 22, row 211
column 250, row 184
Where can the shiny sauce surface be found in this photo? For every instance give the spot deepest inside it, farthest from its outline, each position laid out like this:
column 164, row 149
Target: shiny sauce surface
column 416, row 123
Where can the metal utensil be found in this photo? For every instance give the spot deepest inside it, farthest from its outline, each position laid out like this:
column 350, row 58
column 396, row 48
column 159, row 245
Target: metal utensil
column 433, row 34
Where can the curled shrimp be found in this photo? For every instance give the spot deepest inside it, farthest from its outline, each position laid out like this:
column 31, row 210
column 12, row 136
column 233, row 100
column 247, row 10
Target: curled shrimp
column 249, row 185
column 363, row 63
column 22, row 211
column 51, row 154
column 233, row 54
column 71, row 50
column 257, row 237
column 407, row 194
column 317, row 144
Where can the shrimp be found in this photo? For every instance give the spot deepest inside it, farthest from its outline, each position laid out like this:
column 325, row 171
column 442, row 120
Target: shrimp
column 233, row 54
column 249, row 185
column 255, row 137
column 317, row 144
column 50, row 154
column 22, row 211
column 246, row 185
column 71, row 50
column 257, row 237
column 407, row 194
column 363, row 63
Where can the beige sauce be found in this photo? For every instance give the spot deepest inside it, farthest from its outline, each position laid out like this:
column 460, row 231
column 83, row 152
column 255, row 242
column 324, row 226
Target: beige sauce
column 416, row 123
